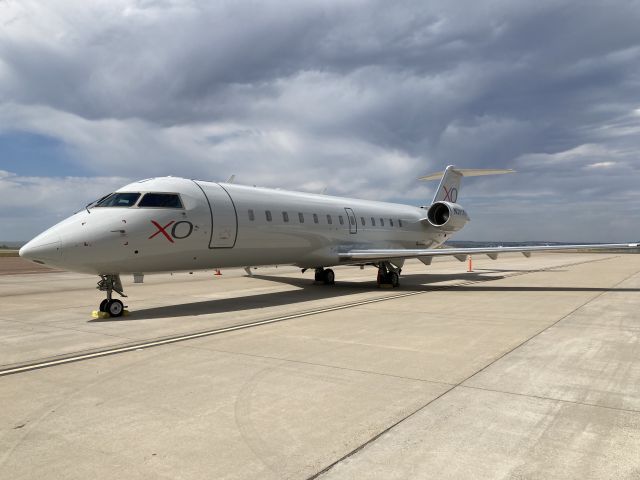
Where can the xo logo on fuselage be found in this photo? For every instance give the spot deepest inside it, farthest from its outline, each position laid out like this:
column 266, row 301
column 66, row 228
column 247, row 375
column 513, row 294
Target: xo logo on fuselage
column 176, row 232
column 450, row 195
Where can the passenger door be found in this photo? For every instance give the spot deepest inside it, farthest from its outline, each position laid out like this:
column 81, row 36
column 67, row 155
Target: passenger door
column 224, row 219
column 351, row 218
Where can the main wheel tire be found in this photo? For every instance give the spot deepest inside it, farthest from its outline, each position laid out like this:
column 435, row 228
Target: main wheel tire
column 319, row 275
column 103, row 305
column 329, row 277
column 115, row 308
column 394, row 279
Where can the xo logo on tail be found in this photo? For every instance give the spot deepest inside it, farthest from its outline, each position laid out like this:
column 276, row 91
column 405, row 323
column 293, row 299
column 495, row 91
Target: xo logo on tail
column 176, row 231
column 450, row 195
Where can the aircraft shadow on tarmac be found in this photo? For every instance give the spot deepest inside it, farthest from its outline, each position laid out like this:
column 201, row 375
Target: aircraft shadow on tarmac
column 308, row 291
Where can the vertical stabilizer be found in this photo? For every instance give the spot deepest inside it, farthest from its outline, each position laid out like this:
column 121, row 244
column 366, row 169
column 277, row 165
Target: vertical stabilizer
column 449, row 186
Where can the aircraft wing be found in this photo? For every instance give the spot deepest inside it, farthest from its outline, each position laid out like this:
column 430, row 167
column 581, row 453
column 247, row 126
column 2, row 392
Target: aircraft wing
column 461, row 253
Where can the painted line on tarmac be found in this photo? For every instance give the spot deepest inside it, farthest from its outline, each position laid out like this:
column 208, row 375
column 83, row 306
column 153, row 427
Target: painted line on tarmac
column 207, row 333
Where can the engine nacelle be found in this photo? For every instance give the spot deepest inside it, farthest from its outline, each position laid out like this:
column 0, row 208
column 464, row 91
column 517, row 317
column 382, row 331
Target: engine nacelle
column 446, row 216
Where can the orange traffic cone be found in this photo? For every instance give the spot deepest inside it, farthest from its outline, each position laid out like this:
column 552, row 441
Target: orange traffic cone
column 218, row 272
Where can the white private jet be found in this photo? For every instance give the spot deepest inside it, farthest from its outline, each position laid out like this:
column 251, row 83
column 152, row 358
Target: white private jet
column 173, row 224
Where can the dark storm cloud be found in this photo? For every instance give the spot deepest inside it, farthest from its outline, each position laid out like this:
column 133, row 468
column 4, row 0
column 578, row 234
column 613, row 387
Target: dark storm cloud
column 301, row 94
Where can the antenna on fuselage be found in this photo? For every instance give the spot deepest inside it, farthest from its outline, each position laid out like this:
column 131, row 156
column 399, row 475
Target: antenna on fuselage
column 231, row 179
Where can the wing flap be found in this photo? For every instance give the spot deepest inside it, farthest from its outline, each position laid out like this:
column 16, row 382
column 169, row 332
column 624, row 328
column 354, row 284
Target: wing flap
column 426, row 260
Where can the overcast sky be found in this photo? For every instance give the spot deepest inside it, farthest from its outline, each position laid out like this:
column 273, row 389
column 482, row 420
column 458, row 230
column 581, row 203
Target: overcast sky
column 360, row 97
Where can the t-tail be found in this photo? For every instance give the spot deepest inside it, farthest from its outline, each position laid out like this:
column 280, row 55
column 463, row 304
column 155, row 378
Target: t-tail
column 449, row 187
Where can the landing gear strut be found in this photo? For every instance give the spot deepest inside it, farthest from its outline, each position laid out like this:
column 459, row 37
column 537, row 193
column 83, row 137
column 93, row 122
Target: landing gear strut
column 325, row 275
column 388, row 275
column 110, row 284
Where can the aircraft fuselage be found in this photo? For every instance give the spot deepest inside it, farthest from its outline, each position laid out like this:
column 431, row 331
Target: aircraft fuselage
column 226, row 225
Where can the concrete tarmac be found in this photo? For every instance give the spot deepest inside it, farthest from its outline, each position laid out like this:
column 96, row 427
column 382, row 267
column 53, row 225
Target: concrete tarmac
column 526, row 368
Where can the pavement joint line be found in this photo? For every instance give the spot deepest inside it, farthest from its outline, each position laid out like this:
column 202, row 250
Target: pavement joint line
column 58, row 327
column 181, row 338
column 55, row 327
column 460, row 384
column 595, row 297
column 78, row 356
column 75, row 357
column 552, row 399
column 379, row 434
column 324, row 365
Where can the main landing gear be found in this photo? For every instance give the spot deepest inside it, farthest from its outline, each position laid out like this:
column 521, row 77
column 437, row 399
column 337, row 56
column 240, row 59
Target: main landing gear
column 325, row 275
column 110, row 306
column 388, row 275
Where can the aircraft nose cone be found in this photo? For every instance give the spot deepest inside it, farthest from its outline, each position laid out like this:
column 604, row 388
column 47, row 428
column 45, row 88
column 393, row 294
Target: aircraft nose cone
column 43, row 248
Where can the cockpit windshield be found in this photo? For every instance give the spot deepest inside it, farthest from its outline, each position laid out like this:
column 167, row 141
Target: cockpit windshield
column 119, row 199
column 161, row 200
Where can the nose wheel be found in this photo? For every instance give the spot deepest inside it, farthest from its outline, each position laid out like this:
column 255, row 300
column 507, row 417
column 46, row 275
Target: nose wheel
column 110, row 307
column 114, row 307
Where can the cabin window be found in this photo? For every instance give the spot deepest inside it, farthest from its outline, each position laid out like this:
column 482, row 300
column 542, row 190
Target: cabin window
column 362, row 221
column 315, row 218
column 329, row 219
column 400, row 223
column 285, row 217
column 341, row 219
column 391, row 222
column 373, row 221
column 161, row 200
column 119, row 200
column 252, row 217
column 301, row 217
column 267, row 214
column 382, row 222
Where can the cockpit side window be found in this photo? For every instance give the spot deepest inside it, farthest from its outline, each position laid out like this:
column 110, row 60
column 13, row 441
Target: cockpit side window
column 161, row 200
column 119, row 199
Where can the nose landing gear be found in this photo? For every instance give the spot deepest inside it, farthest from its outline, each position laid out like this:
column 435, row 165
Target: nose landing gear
column 110, row 307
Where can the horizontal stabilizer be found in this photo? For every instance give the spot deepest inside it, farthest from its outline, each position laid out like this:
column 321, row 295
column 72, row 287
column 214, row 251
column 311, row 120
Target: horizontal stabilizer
column 468, row 172
column 450, row 179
